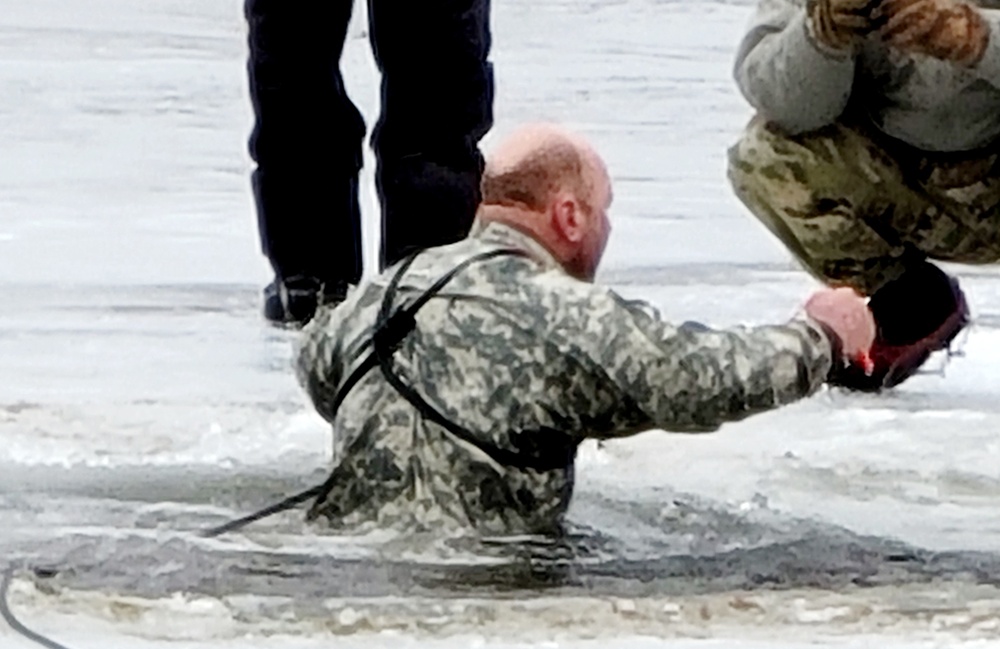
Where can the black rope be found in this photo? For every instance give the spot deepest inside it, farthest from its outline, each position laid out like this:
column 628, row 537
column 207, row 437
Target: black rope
column 8, row 616
column 287, row 503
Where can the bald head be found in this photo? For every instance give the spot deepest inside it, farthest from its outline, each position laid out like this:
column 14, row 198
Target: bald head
column 537, row 161
column 550, row 183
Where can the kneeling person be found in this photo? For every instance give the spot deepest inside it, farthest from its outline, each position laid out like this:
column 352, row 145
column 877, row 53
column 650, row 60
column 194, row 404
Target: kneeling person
column 876, row 147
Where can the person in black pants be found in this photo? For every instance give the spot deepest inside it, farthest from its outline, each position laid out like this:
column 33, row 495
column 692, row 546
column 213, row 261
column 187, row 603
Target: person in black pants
column 436, row 105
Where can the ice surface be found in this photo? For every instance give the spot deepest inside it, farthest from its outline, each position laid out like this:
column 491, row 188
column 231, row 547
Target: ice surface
column 142, row 397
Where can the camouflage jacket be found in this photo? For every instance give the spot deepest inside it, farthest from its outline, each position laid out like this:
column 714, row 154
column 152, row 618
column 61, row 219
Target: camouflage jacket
column 929, row 104
column 531, row 362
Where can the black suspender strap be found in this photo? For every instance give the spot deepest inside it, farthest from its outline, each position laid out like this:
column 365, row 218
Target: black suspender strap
column 385, row 345
column 390, row 330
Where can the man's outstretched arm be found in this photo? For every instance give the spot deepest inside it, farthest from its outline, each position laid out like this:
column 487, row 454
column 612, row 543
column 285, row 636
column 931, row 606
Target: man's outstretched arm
column 691, row 378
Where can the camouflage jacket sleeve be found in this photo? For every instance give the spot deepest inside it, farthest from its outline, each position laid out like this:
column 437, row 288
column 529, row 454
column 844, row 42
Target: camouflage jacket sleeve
column 786, row 75
column 691, row 378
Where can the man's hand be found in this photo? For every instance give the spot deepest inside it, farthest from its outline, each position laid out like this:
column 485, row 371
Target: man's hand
column 841, row 24
column 949, row 30
column 848, row 321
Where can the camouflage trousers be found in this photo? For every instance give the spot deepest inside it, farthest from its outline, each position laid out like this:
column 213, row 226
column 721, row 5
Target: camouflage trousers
column 855, row 210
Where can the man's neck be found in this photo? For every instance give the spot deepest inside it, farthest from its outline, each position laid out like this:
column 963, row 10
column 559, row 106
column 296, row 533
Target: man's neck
column 518, row 218
column 522, row 220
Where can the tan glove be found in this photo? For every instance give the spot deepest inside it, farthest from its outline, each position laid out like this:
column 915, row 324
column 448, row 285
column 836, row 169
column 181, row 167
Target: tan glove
column 849, row 323
column 949, row 30
column 841, row 24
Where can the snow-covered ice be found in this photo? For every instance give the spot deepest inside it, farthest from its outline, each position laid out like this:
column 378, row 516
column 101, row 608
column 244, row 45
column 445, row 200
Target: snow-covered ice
column 143, row 398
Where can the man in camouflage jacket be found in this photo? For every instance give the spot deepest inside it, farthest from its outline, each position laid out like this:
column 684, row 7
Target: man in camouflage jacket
column 875, row 148
column 467, row 411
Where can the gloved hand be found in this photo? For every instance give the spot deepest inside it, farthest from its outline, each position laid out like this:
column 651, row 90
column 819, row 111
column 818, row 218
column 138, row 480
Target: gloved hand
column 849, row 323
column 950, row 30
column 841, row 24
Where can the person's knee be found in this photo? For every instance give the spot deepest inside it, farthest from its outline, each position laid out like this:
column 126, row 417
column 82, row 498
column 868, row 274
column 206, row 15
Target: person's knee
column 758, row 152
column 800, row 174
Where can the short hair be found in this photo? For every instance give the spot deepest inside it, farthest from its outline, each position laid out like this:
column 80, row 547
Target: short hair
column 532, row 180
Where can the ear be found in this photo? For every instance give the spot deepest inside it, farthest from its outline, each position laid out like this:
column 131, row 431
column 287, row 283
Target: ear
column 568, row 219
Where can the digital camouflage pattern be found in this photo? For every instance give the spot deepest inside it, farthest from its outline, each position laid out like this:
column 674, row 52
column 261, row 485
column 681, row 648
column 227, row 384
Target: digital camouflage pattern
column 853, row 212
column 532, row 362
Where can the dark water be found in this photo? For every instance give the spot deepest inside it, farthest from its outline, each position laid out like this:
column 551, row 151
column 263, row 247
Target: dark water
column 135, row 533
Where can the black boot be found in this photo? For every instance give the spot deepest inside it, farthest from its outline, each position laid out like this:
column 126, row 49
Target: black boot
column 292, row 302
column 915, row 315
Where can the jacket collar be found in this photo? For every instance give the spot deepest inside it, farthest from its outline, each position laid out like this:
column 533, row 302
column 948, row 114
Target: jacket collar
column 503, row 235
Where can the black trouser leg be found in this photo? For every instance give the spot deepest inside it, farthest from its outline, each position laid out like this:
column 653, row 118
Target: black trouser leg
column 437, row 103
column 307, row 139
